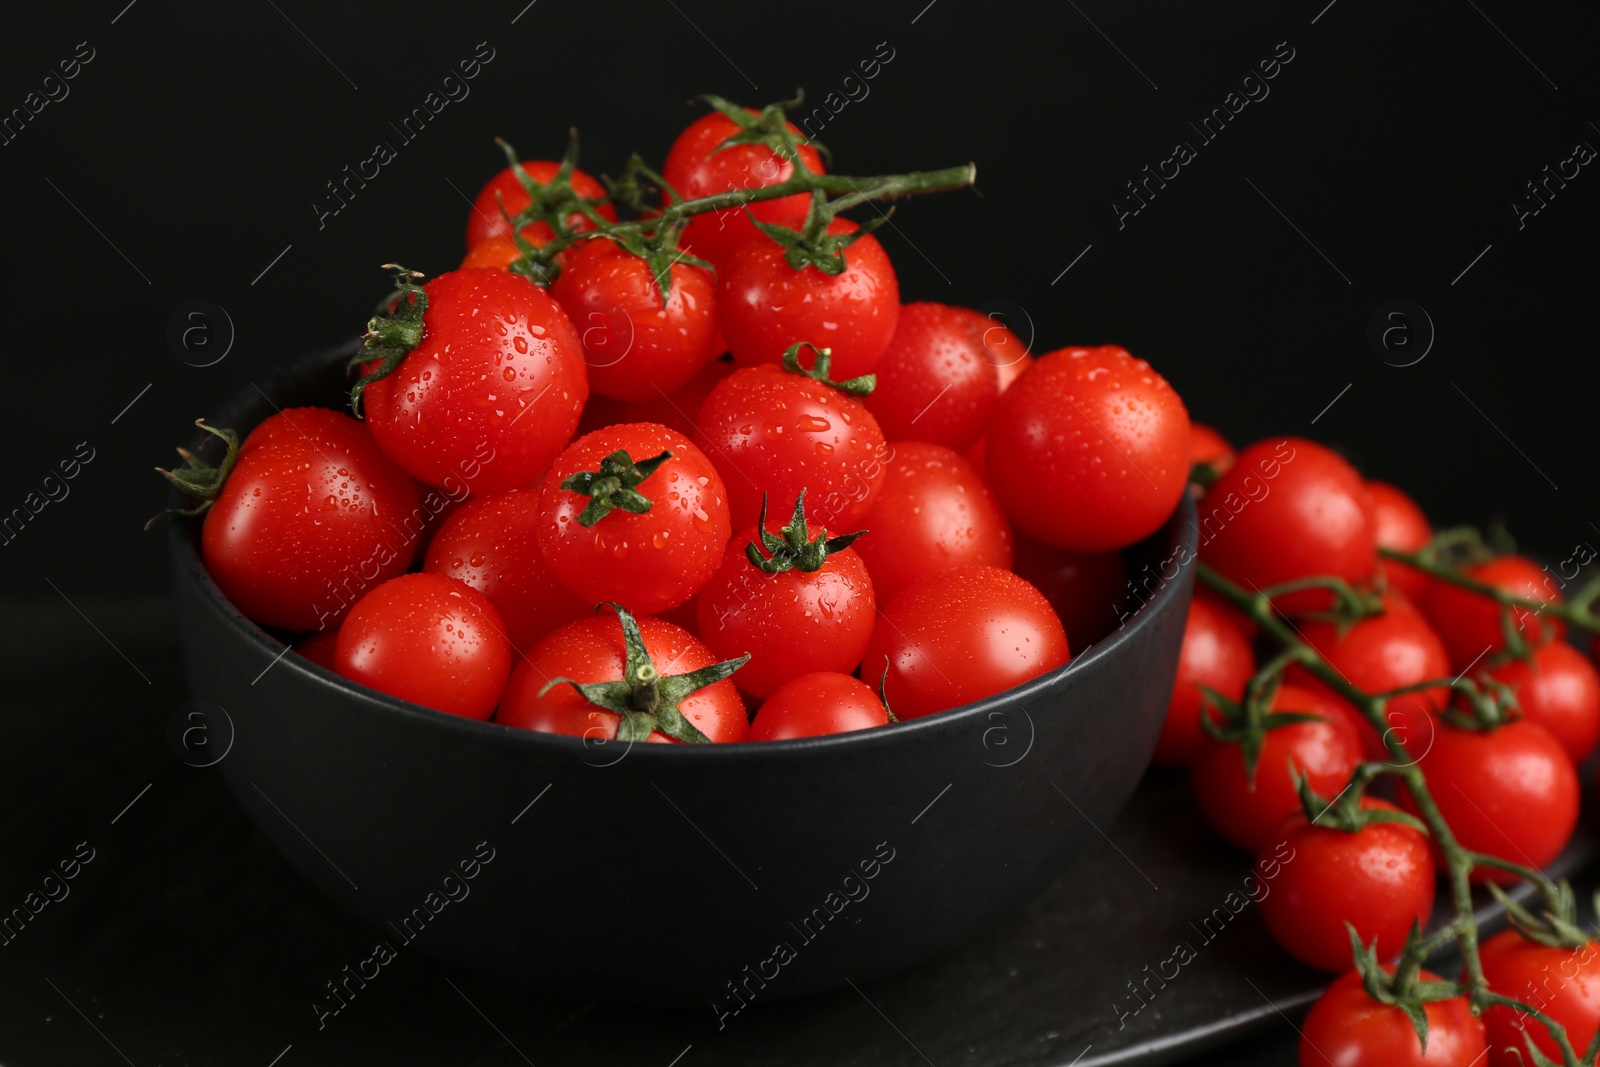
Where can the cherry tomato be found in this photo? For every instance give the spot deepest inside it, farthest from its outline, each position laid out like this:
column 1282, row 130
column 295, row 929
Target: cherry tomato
column 698, row 165
column 312, row 515
column 934, row 512
column 772, row 431
column 816, row 704
column 1383, row 652
column 1289, row 509
column 1510, row 792
column 636, row 348
column 960, row 635
column 1471, row 624
column 493, row 391
column 1400, row 525
column 1216, row 655
column 793, row 622
column 486, row 219
column 1560, row 690
column 680, row 410
column 764, row 305
column 492, row 544
column 500, row 251
column 319, row 648
column 651, row 560
column 1089, row 590
column 1347, row 1027
column 1325, row 750
column 1563, row 983
column 428, row 639
column 1379, row 879
column 1208, row 446
column 1089, row 449
column 593, row 650
column 938, row 380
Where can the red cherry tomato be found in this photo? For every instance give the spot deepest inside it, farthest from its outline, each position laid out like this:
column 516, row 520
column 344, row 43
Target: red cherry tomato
column 960, row 635
column 1325, row 750
column 938, row 380
column 1510, row 792
column 311, row 517
column 1089, row 449
column 486, row 219
column 764, row 305
column 319, row 648
column 1208, row 446
column 637, row 349
column 816, row 704
column 500, row 251
column 1380, row 653
column 1563, row 983
column 934, row 512
column 1379, row 879
column 1089, row 590
column 1560, row 691
column 1400, row 525
column 491, row 394
column 1347, row 1027
column 791, row 623
column 680, row 410
column 1289, row 509
column 698, row 165
column 492, row 544
column 1216, row 655
column 649, row 561
column 772, row 431
column 428, row 639
column 1471, row 624
column 592, row 650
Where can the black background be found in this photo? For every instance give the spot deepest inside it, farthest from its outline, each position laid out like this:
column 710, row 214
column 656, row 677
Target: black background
column 199, row 137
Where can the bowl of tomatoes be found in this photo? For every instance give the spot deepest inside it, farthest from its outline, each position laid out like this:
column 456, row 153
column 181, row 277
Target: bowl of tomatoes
column 697, row 874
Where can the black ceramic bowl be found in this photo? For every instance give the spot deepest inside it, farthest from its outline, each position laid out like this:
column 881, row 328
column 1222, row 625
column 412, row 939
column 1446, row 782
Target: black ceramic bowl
column 673, row 874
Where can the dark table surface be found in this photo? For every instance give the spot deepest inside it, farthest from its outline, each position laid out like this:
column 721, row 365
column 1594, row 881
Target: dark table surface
column 186, row 940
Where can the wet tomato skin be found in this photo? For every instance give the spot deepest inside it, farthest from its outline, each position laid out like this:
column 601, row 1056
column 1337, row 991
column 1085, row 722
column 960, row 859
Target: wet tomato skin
column 813, row 705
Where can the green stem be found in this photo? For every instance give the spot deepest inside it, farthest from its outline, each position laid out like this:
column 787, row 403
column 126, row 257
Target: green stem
column 1579, row 611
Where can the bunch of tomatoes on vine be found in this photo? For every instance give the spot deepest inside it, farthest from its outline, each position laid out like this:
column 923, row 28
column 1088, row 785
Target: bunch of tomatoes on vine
column 666, row 460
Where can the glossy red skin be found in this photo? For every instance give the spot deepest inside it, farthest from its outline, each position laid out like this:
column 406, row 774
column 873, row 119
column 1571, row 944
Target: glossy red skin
column 311, row 517
column 813, row 705
column 1379, row 879
column 696, row 166
column 483, row 399
column 1325, row 750
column 1289, row 509
column 1346, row 1027
column 1560, row 691
column 770, row 431
column 933, row 512
column 1384, row 652
column 1089, row 449
column 635, row 348
column 1470, row 623
column 1563, row 983
column 938, row 379
column 961, row 635
column 764, row 305
column 428, row 639
column 1089, row 590
column 1510, row 792
column 680, row 410
column 492, row 544
column 1400, row 525
column 792, row 623
column 1208, row 446
column 1215, row 654
column 648, row 562
column 486, row 220
column 319, row 648
column 592, row 650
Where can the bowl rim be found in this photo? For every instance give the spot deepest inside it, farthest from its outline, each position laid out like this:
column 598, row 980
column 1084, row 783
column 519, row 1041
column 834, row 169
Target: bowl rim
column 1178, row 529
